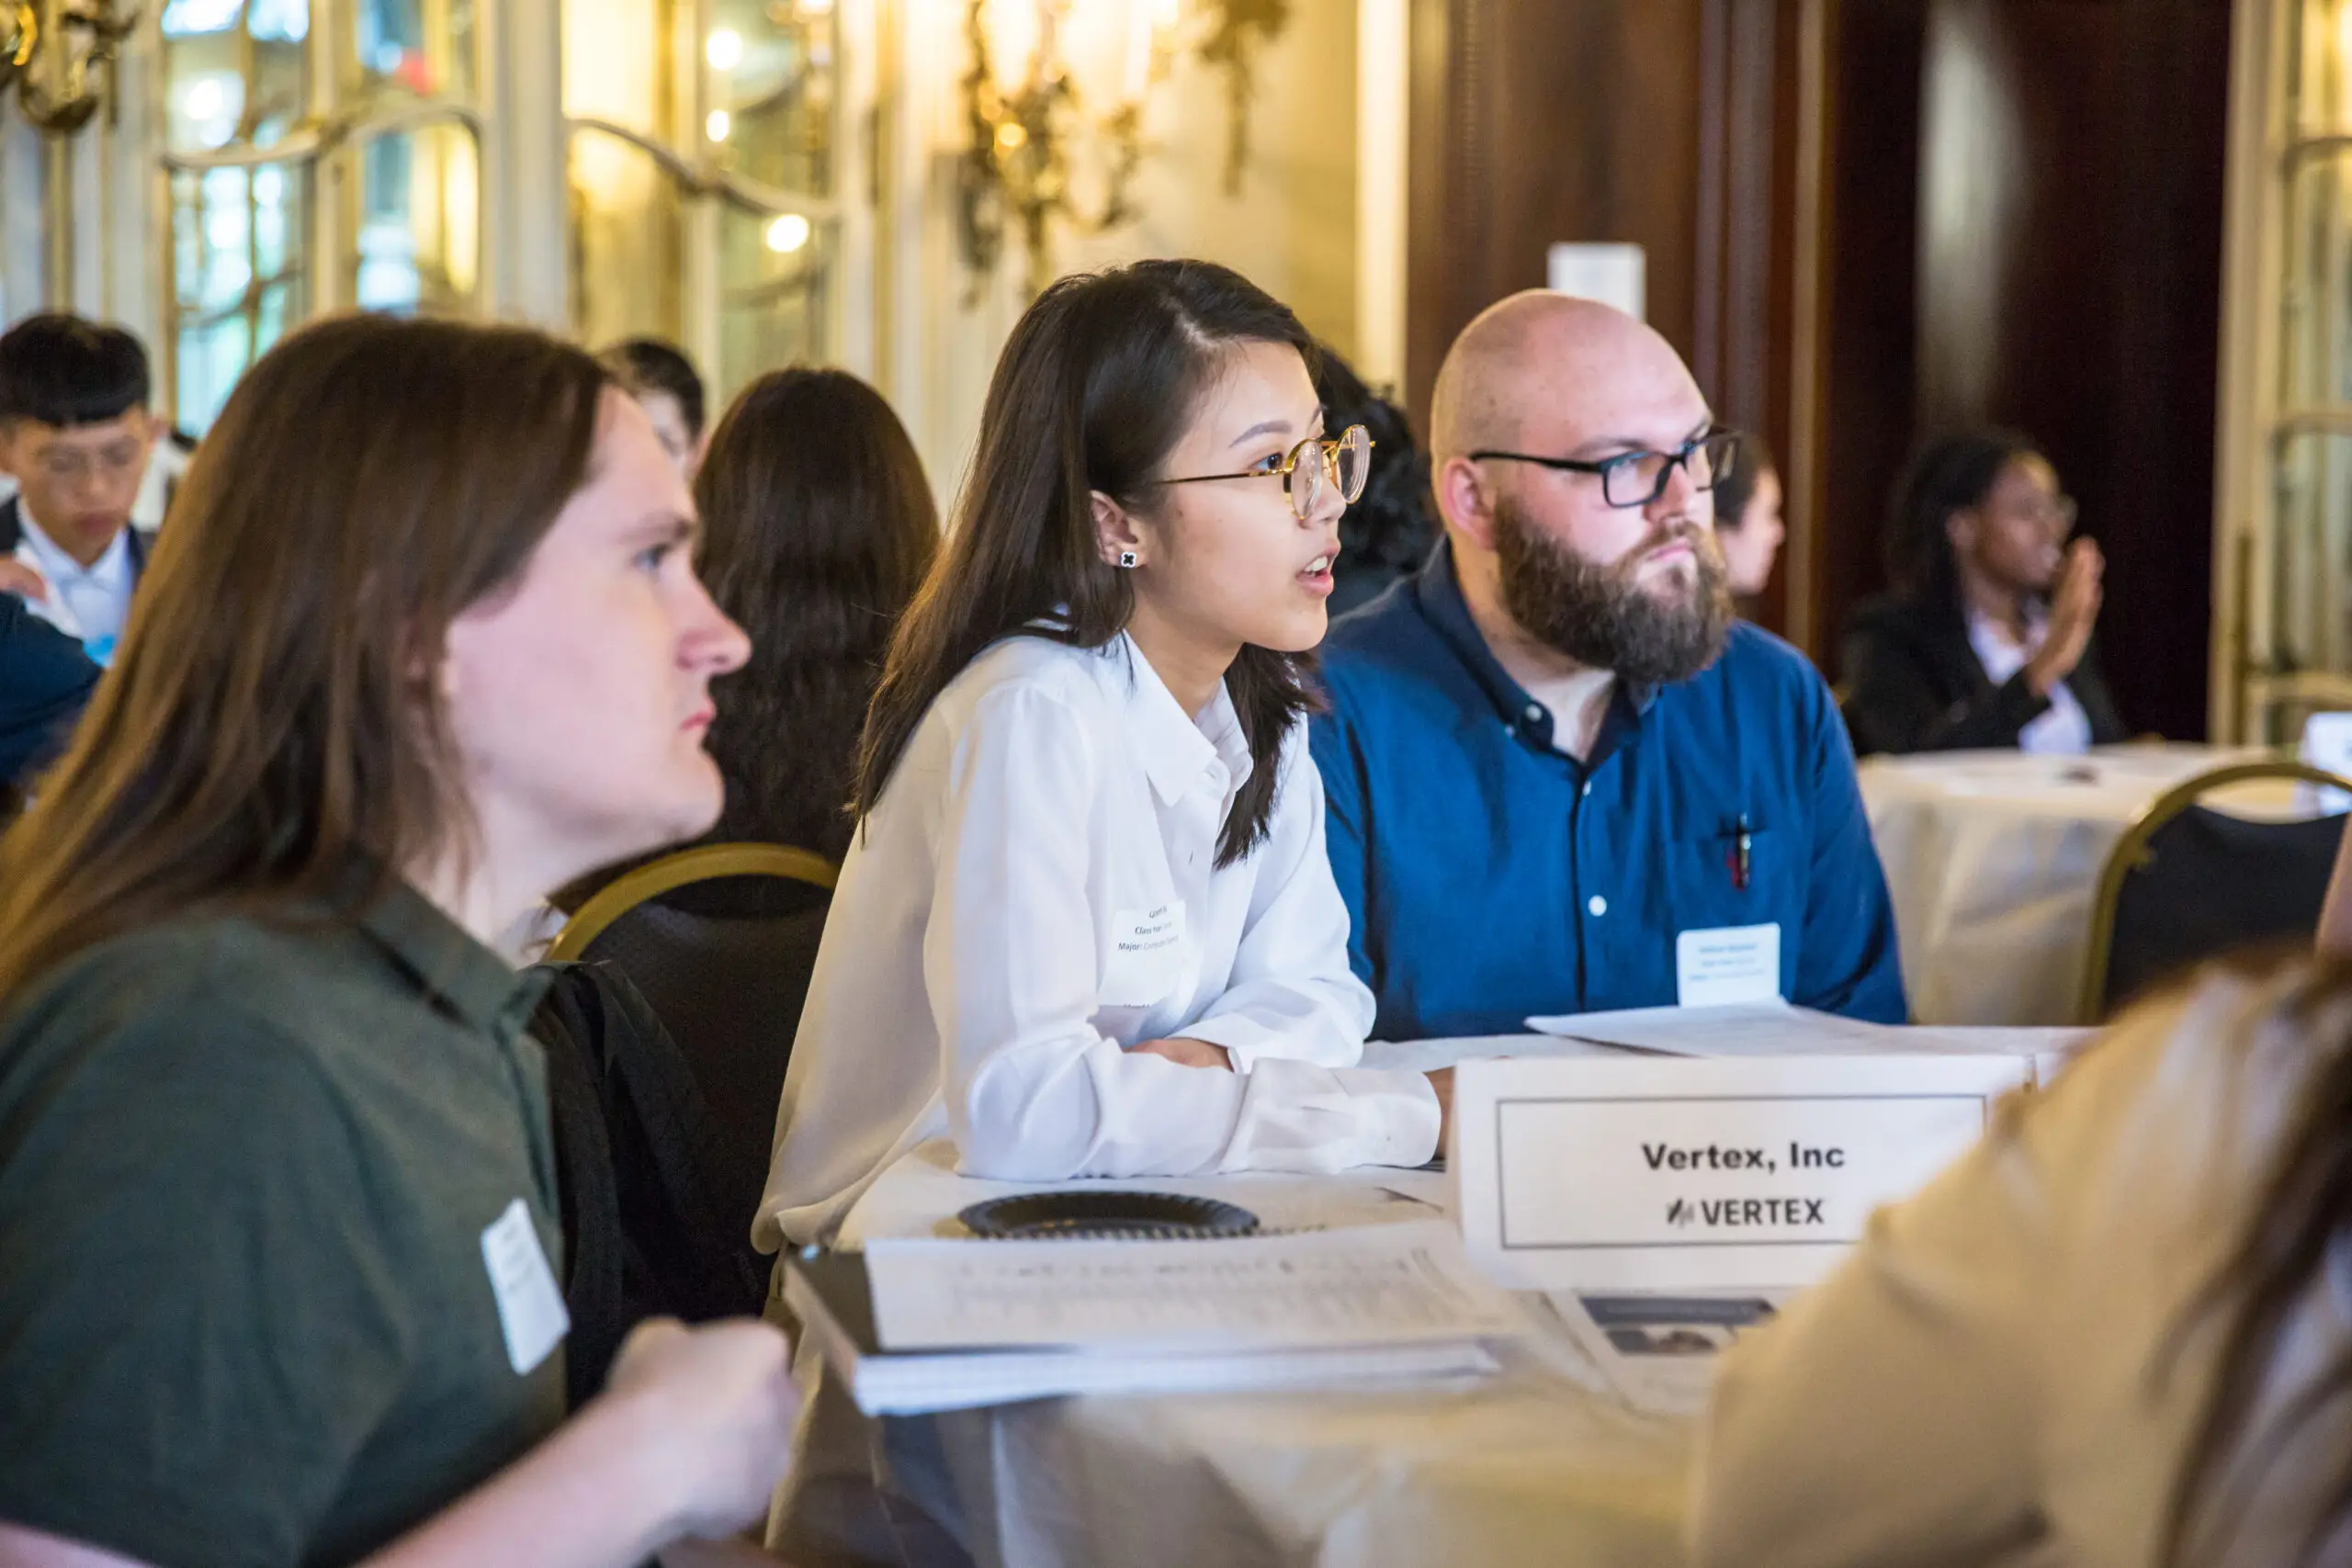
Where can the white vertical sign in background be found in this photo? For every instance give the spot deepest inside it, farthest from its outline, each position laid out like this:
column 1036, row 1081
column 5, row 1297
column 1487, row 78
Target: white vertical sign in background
column 1613, row 274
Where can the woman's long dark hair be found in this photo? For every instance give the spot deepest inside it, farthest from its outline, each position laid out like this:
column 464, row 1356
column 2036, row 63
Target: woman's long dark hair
column 1951, row 472
column 1094, row 390
column 2301, row 1222
column 274, row 717
column 1392, row 527
column 817, row 527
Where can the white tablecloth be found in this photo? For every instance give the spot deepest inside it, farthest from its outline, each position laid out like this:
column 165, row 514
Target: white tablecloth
column 1539, row 1465
column 1993, row 857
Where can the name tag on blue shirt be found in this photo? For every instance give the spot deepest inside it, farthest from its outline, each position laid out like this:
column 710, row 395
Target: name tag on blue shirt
column 1727, row 965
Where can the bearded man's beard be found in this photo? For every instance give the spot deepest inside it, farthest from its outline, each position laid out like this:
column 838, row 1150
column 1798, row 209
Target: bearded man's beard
column 1600, row 616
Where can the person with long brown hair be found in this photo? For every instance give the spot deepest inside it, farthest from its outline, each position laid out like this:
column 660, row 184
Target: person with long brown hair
column 277, row 1213
column 2118, row 1331
column 818, row 526
column 1087, row 927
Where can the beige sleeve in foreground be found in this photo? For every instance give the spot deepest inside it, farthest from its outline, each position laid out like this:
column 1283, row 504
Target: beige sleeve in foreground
column 1887, row 1418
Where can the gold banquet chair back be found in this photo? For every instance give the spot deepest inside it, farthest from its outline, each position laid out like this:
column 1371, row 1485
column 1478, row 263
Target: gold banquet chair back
column 2188, row 883
column 721, row 940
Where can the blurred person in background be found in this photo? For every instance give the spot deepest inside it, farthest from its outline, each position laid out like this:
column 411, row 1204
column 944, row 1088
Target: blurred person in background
column 1988, row 640
column 1391, row 529
column 818, row 526
column 1747, row 519
column 45, row 680
column 76, row 437
column 668, row 388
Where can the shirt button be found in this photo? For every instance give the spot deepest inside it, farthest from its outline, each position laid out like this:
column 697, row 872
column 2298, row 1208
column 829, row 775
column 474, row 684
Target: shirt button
column 1598, row 905
column 1588, row 787
column 1535, row 713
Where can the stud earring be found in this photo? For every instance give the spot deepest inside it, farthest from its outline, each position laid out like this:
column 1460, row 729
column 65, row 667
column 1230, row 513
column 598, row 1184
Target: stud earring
column 1126, row 559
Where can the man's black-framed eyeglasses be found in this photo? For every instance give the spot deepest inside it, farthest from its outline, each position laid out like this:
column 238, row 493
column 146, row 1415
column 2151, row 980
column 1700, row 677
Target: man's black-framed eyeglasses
column 1636, row 479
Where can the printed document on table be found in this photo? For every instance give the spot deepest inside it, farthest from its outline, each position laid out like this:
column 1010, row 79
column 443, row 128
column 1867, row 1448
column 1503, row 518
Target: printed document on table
column 1659, row 1352
column 1742, row 1029
column 1371, row 1285
column 1777, row 1028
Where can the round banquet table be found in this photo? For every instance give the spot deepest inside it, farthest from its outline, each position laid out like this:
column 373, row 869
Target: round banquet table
column 1993, row 857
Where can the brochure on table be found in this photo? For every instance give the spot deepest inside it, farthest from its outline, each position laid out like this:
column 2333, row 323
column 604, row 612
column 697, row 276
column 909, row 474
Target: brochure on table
column 1665, row 1175
column 917, row 1325
column 1770, row 1027
column 1659, row 1351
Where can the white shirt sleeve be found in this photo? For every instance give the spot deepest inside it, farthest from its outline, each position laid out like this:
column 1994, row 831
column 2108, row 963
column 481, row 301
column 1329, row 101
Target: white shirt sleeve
column 1033, row 1090
column 1292, row 993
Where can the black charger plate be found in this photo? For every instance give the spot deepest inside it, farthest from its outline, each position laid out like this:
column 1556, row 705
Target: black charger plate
column 1131, row 1216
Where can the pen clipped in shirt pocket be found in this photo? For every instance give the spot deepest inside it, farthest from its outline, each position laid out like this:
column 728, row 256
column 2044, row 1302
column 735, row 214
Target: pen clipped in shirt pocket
column 1144, row 960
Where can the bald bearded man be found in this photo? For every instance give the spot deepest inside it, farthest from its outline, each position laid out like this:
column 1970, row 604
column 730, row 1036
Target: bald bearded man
column 1561, row 777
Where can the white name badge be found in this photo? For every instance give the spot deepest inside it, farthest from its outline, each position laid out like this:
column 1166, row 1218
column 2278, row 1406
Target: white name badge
column 1728, row 966
column 1147, row 958
column 530, row 1308
column 1689, row 1174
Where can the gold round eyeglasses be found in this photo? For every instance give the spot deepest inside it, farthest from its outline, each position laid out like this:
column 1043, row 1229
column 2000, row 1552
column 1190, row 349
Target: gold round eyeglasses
column 1346, row 462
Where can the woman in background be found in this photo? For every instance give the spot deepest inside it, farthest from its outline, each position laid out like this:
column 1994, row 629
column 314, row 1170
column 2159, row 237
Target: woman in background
column 2117, row 1334
column 818, row 526
column 1387, row 532
column 1748, row 518
column 1986, row 640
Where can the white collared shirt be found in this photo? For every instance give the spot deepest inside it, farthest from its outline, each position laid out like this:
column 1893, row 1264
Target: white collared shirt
column 2066, row 730
column 89, row 602
column 1037, row 890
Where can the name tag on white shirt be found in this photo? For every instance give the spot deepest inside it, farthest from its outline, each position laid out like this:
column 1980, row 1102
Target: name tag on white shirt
column 530, row 1307
column 1146, row 957
column 1727, row 967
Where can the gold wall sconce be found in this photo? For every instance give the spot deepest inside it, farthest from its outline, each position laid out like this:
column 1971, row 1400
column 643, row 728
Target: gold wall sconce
column 1237, row 29
column 1017, row 167
column 48, row 52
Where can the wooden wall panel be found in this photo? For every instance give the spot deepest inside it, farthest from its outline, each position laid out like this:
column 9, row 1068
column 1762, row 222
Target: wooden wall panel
column 1868, row 319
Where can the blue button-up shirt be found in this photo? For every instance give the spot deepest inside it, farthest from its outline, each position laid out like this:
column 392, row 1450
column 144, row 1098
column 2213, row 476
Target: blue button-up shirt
column 1492, row 878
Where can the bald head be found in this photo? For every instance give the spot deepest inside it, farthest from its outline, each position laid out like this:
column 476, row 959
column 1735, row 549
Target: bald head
column 1539, row 370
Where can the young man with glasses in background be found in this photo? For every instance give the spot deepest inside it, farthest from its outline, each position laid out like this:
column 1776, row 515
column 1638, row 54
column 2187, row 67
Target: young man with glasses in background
column 76, row 435
column 1562, row 777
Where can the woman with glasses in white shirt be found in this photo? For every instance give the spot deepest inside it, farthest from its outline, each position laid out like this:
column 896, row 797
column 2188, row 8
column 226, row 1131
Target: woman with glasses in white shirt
column 1087, row 927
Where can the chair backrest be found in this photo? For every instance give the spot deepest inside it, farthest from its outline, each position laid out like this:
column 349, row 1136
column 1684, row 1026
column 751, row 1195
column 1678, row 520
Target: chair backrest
column 2187, row 882
column 721, row 941
column 637, row 1169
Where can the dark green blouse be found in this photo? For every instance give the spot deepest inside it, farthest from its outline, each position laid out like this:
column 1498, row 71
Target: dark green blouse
column 245, row 1173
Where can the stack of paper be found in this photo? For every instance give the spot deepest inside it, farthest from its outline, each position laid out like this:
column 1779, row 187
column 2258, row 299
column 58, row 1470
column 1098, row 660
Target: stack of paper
column 915, row 1325
column 1776, row 1029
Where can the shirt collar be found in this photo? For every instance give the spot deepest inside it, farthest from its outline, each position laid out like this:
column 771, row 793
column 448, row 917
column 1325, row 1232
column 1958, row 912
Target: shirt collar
column 1437, row 590
column 449, row 965
column 1175, row 749
column 111, row 572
